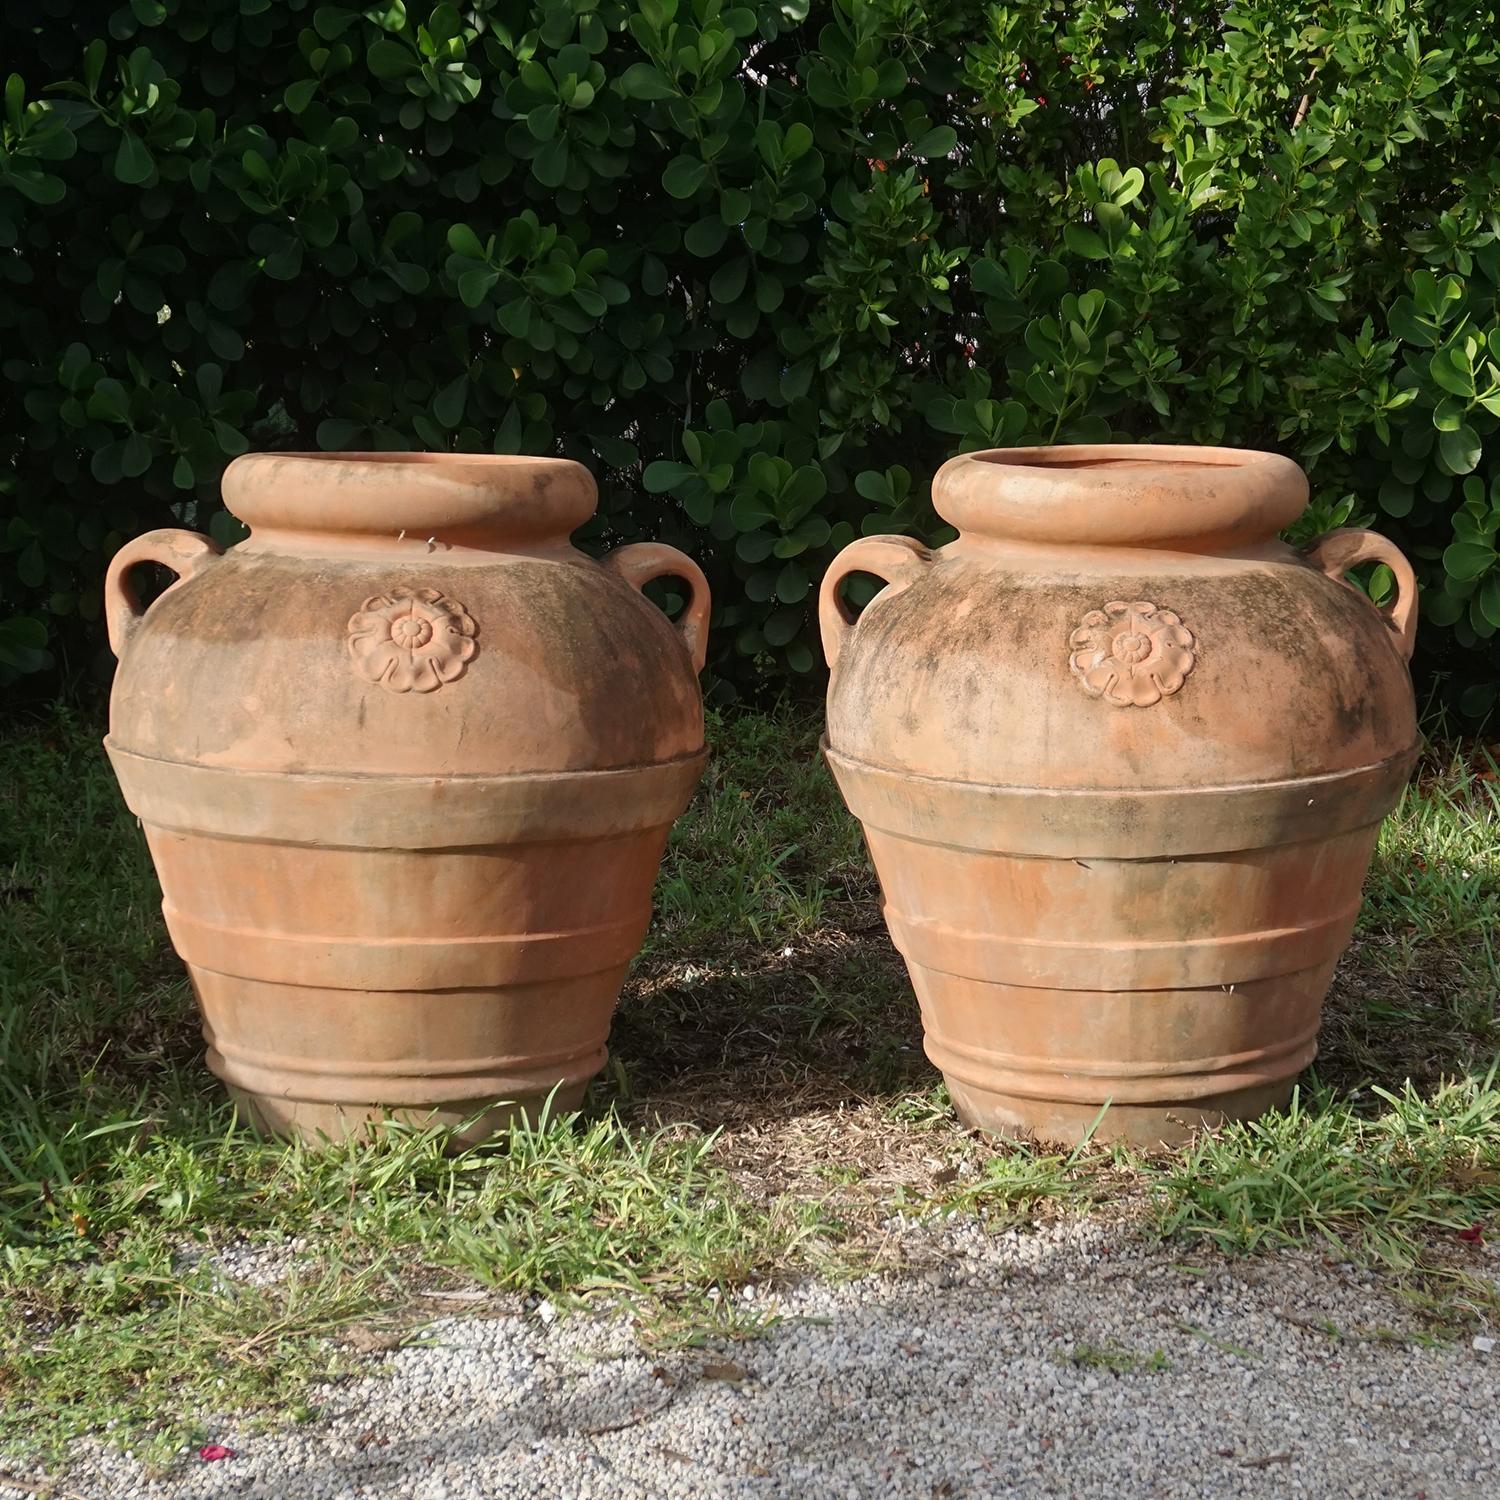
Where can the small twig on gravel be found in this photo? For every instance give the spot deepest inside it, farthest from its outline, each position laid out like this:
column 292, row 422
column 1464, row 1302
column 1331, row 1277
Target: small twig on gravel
column 1310, row 1324
column 47, row 1489
column 887, row 1240
column 639, row 1488
column 1222, row 1345
column 1266, row 1462
column 634, row 1420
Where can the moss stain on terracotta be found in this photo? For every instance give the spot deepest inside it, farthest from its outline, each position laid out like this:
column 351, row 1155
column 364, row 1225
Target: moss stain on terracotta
column 1121, row 757
column 406, row 801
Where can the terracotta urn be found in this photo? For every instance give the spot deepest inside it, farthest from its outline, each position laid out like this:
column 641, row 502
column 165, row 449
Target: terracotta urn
column 406, row 762
column 1121, row 757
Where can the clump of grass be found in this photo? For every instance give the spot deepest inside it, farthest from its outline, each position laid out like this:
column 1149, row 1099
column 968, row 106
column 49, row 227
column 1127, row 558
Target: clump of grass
column 1378, row 1188
column 142, row 1349
column 1436, row 872
column 1014, row 1181
column 768, row 855
column 597, row 1208
column 97, row 1303
column 1417, row 995
column 1115, row 1358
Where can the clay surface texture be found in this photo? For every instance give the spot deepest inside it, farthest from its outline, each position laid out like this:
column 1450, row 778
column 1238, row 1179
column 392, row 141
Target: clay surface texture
column 1120, row 756
column 406, row 761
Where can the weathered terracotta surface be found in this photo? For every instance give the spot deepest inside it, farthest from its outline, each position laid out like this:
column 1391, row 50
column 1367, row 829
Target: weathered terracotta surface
column 1120, row 756
column 406, row 761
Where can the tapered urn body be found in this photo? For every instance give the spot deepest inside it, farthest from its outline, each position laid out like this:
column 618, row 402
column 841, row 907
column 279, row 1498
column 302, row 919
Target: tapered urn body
column 406, row 762
column 1121, row 757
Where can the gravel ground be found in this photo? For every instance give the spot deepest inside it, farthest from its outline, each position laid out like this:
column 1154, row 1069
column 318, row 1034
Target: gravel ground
column 981, row 1375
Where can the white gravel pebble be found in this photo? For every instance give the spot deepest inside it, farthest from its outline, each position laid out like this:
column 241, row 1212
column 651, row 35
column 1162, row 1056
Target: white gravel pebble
column 971, row 1377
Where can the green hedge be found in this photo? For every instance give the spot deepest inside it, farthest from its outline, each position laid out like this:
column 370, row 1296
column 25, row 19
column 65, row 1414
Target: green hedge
column 762, row 266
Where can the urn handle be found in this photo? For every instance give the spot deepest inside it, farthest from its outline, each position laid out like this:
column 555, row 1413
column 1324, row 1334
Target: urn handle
column 1340, row 551
column 639, row 562
column 184, row 552
column 896, row 559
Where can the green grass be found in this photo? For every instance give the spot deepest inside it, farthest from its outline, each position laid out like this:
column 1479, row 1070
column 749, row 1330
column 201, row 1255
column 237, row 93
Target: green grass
column 1423, row 1169
column 1115, row 1358
column 767, row 1107
column 109, row 1292
column 1419, row 998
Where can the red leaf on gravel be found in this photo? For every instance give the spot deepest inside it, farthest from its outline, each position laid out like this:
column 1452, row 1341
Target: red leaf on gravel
column 211, row 1453
column 1473, row 1235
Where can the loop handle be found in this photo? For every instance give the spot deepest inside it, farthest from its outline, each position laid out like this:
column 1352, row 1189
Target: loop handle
column 896, row 559
column 184, row 552
column 1340, row 551
column 639, row 562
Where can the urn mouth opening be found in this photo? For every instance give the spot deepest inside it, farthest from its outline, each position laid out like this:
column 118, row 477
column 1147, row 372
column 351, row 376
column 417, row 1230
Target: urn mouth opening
column 1154, row 495
column 486, row 500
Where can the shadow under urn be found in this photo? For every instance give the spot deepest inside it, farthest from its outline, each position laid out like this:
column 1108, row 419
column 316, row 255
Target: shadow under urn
column 1121, row 758
column 406, row 761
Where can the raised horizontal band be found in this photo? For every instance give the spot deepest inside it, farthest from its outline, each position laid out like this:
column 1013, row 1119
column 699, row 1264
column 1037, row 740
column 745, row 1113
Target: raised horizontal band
column 369, row 963
column 1115, row 824
column 1204, row 1078
column 1036, row 963
column 987, row 1062
column 403, row 812
column 553, row 1064
column 433, row 1085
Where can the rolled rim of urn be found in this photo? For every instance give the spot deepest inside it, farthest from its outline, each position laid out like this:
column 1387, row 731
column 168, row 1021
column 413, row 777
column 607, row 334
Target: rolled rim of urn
column 1121, row 494
column 468, row 499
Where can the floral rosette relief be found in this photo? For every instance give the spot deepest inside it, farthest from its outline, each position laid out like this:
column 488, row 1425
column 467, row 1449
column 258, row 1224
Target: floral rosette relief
column 1131, row 655
column 411, row 640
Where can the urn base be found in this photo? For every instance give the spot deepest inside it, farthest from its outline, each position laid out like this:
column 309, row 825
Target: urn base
column 319, row 1122
column 1146, row 1126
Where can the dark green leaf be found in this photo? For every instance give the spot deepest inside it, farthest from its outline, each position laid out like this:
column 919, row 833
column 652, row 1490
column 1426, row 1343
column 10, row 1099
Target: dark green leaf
column 448, row 404
column 463, row 241
column 300, row 94
column 642, row 80
column 1085, row 242
column 1460, row 449
column 684, row 176
column 941, row 140
column 661, row 475
column 550, row 165
column 389, row 59
column 728, row 281
column 1465, row 561
column 782, row 626
column 133, row 163
column 706, row 237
